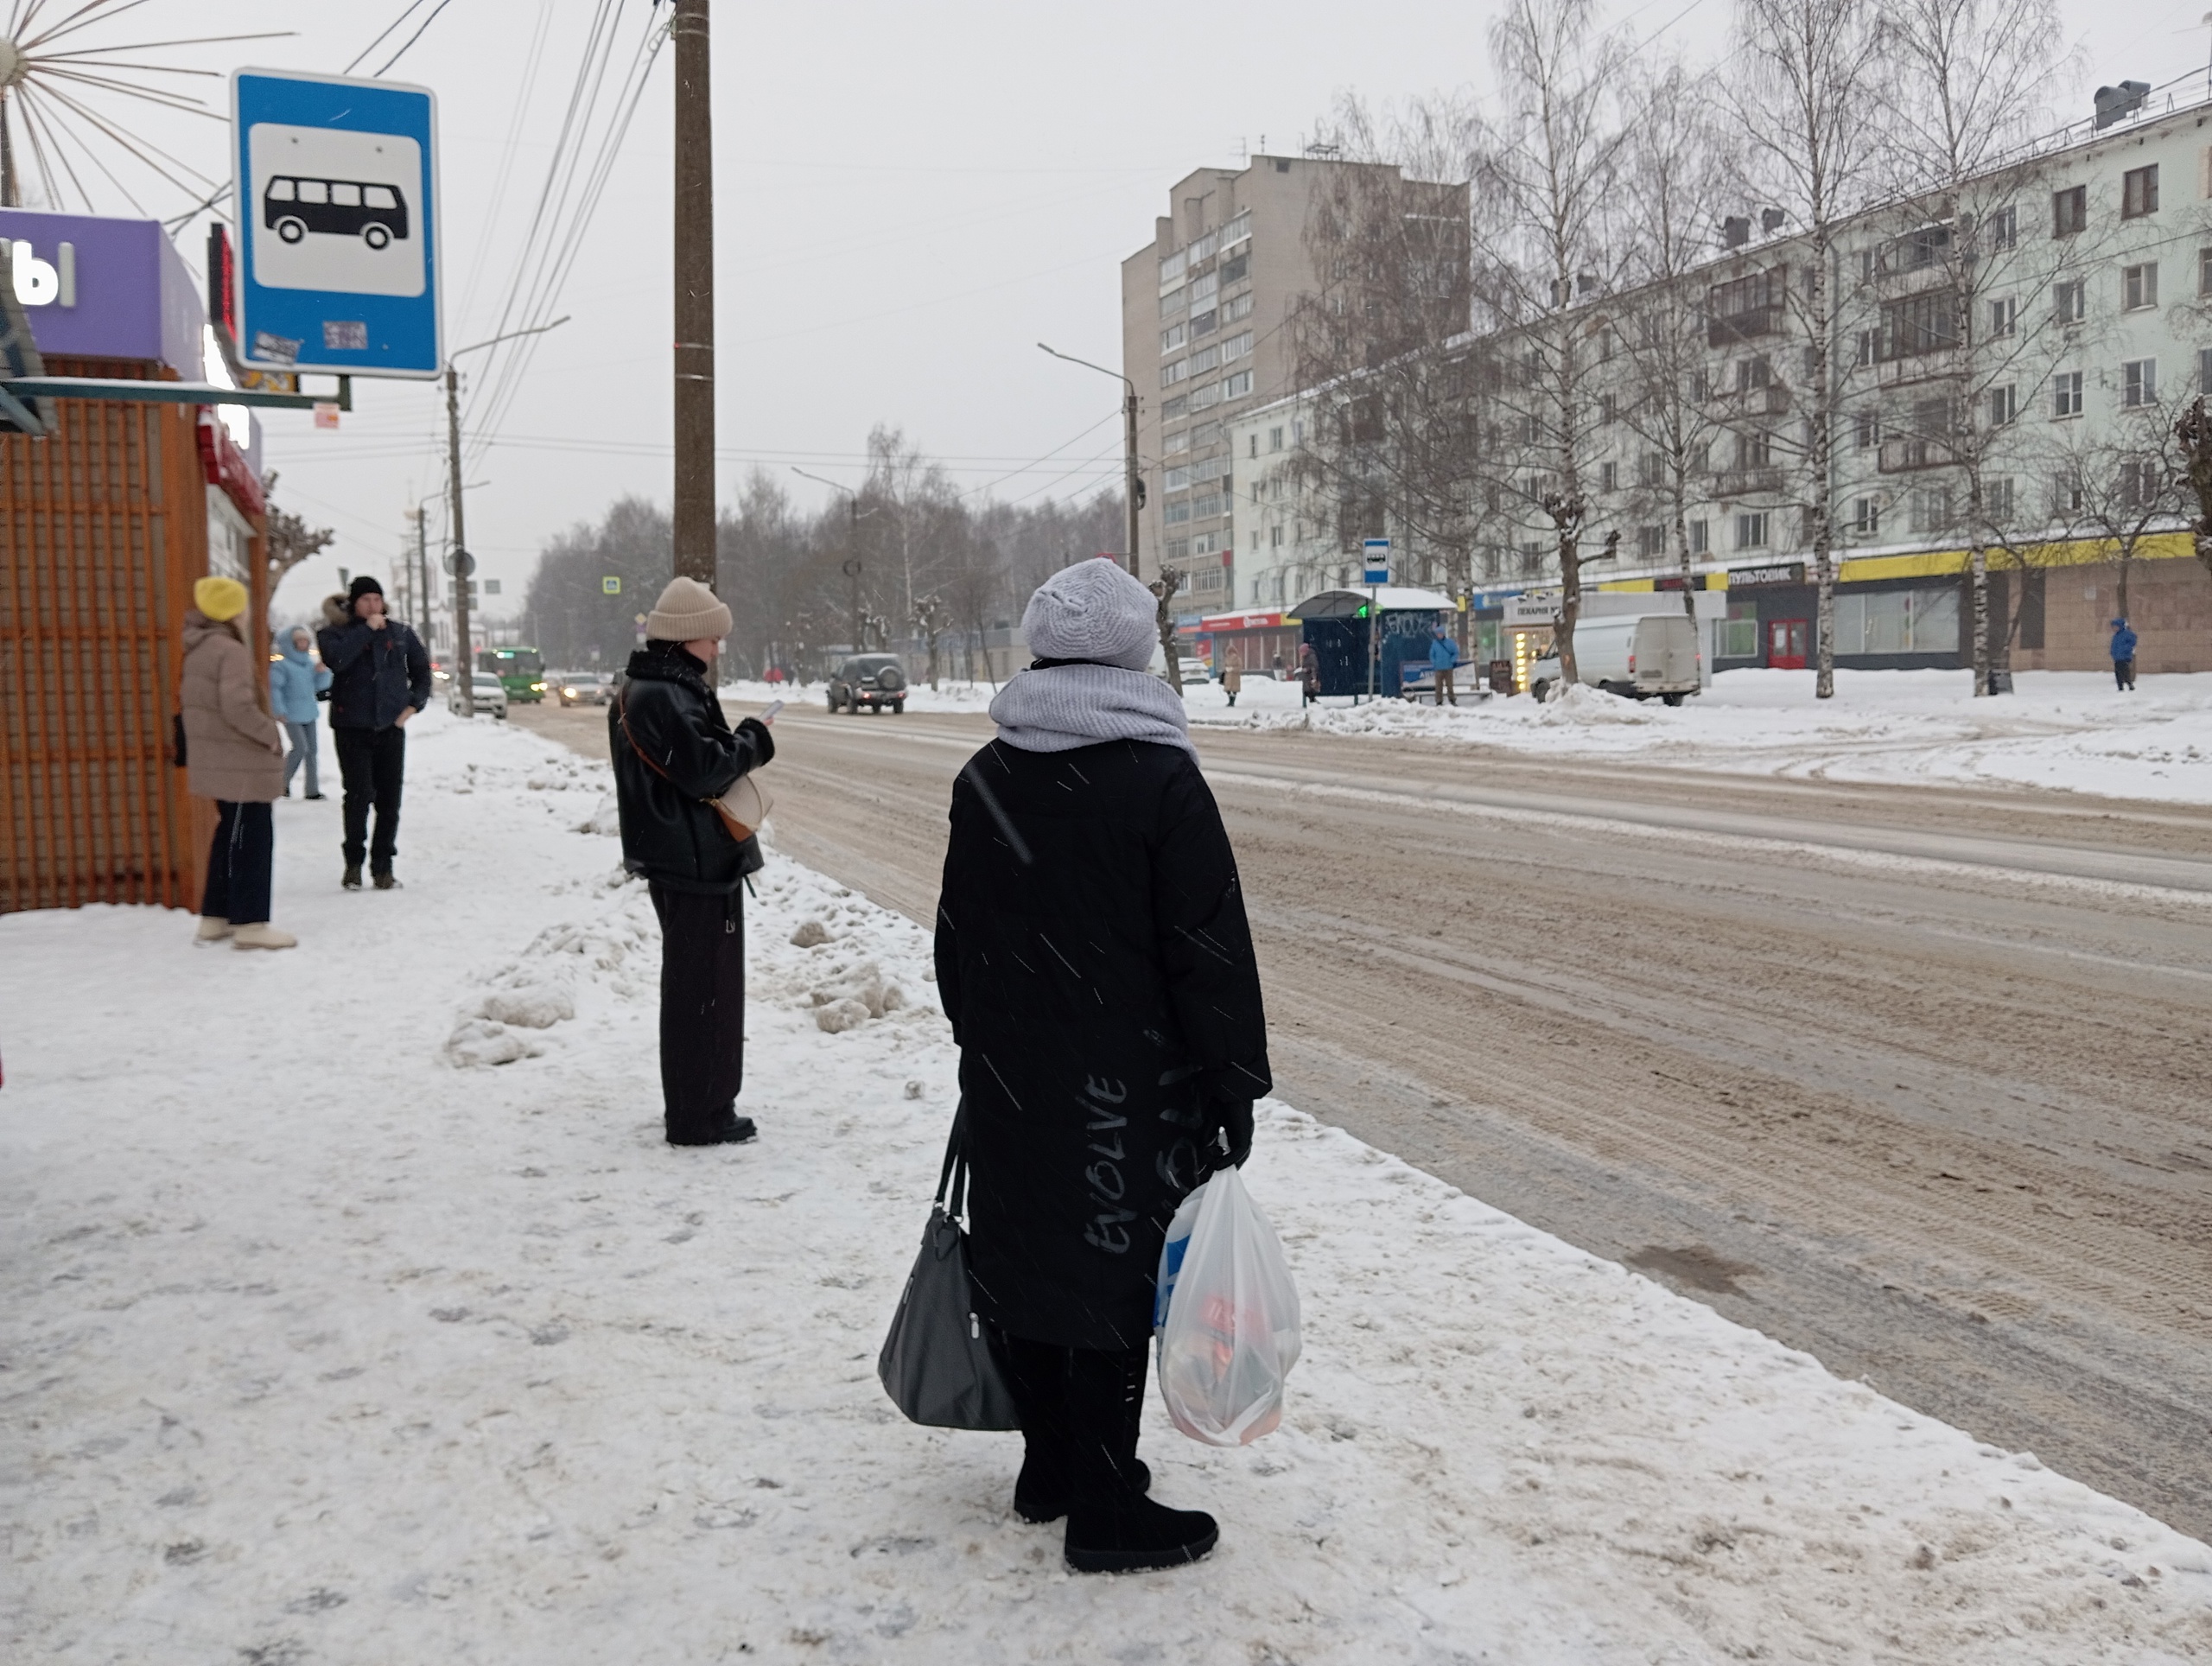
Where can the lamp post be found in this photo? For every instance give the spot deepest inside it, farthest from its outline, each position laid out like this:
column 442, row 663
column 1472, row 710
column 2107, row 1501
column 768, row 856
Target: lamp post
column 852, row 566
column 1132, row 487
column 464, row 654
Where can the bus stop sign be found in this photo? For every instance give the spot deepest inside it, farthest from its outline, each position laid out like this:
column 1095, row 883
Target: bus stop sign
column 335, row 183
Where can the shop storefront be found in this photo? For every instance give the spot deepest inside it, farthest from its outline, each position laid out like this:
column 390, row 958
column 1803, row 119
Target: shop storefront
column 1261, row 642
column 105, row 525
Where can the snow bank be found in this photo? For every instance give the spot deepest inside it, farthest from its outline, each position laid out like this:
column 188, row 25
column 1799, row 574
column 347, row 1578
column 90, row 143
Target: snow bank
column 742, row 698
column 330, row 1338
column 2065, row 730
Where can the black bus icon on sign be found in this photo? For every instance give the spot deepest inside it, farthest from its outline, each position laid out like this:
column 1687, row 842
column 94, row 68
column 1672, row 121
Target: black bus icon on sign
column 292, row 208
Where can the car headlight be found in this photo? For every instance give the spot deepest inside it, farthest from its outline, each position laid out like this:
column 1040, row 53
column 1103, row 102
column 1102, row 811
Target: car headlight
column 538, row 688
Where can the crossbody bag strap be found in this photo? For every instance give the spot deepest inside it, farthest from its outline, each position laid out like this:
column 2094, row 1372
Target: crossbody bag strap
column 952, row 1178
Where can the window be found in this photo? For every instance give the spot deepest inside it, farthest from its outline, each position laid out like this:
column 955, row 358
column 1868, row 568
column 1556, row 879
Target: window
column 2141, row 483
column 1171, row 269
column 2003, row 406
column 1204, row 360
column 1701, row 387
column 1922, row 323
column 380, row 196
column 1997, row 497
column 1238, row 385
column 2069, row 302
column 1252, row 443
column 1739, row 632
column 1233, row 310
column 1652, row 469
column 2066, row 393
column 1752, row 374
column 2139, row 383
column 1754, row 448
column 1869, row 264
column 1177, row 512
column 2204, row 369
column 1235, row 271
column 1609, row 408
column 2070, row 211
column 2004, row 316
column 2204, row 269
column 1205, row 434
column 1650, row 542
column 1203, row 323
column 1866, row 430
column 1171, row 374
column 1205, row 394
column 1206, row 506
column 1925, row 246
column 1751, row 531
column 1274, row 536
column 1176, row 478
column 1866, row 517
column 1532, row 429
column 1609, row 477
column 1238, row 230
column 1171, row 408
column 2138, row 286
column 314, row 191
column 1173, row 338
column 1173, row 302
column 1700, row 536
column 278, row 191
column 1931, row 512
column 1869, row 344
column 1175, row 442
column 1202, row 250
column 1236, row 347
column 2004, row 228
column 1897, row 621
column 344, row 195
column 2139, row 192
column 1204, row 289
column 1274, row 439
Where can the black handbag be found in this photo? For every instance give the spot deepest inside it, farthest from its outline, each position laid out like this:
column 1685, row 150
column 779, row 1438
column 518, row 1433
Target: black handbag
column 176, row 738
column 939, row 1364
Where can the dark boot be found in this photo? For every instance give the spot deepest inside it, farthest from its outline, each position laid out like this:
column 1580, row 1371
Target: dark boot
column 1112, row 1527
column 1037, row 1373
column 353, row 880
column 385, row 881
column 737, row 1130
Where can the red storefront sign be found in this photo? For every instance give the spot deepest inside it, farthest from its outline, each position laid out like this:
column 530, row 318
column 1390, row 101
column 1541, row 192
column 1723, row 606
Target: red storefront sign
column 225, row 466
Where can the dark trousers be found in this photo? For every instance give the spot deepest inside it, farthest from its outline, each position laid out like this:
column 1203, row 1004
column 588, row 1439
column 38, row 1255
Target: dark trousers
column 702, row 1009
column 2123, row 673
column 237, row 865
column 373, row 764
column 1081, row 1410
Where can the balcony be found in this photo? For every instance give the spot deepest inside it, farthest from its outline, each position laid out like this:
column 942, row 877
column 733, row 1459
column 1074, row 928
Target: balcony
column 1723, row 330
column 1761, row 481
column 1903, row 456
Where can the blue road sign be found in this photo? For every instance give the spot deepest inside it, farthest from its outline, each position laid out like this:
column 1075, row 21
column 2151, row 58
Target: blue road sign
column 1377, row 553
column 336, row 185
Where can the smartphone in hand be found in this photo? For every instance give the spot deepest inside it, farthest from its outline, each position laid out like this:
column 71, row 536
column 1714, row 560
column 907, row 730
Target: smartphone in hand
column 768, row 714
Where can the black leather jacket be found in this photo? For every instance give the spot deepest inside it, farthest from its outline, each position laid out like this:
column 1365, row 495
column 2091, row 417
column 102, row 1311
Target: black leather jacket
column 374, row 675
column 670, row 833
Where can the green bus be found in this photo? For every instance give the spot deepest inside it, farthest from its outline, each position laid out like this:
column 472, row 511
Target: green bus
column 521, row 671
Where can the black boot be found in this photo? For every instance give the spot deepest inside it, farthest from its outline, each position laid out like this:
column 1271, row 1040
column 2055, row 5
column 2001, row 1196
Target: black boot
column 1112, row 1527
column 1036, row 1372
column 385, row 881
column 353, row 880
column 735, row 1131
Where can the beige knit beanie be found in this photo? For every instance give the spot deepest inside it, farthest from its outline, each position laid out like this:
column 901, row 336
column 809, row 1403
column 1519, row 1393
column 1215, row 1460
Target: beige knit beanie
column 687, row 612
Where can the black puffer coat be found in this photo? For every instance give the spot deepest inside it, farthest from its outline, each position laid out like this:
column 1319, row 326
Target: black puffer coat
column 1093, row 956
column 670, row 832
column 374, row 675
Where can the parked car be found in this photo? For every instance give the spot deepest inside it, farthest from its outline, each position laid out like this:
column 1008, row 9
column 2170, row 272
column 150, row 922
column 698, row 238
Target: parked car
column 1641, row 657
column 587, row 688
column 490, row 693
column 876, row 681
column 1195, row 671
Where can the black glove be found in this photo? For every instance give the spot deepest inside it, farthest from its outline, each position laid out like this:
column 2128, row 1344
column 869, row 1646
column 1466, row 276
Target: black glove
column 1235, row 1137
column 764, row 744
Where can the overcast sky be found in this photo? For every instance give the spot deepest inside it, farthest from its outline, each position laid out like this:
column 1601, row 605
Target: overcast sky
column 908, row 198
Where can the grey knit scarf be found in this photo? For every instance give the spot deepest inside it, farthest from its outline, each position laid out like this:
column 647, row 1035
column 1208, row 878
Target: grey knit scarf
column 1063, row 707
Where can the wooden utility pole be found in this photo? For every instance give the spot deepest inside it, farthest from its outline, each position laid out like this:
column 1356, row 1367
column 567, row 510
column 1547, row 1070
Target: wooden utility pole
column 1132, row 485
column 695, row 296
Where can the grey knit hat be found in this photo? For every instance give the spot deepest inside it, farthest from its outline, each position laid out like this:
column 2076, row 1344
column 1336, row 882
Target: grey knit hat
column 1093, row 610
column 687, row 612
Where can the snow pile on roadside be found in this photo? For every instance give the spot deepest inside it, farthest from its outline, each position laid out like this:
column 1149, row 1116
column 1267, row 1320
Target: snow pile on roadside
column 2063, row 730
column 321, row 1345
column 745, row 697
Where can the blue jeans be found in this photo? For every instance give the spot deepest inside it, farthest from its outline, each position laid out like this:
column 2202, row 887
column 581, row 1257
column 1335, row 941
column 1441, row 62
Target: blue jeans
column 303, row 746
column 237, row 865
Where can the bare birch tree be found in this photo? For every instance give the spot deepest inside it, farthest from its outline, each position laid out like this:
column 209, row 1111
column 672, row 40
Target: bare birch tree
column 1807, row 107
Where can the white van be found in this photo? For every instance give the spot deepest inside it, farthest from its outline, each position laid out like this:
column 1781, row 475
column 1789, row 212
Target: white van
column 1639, row 656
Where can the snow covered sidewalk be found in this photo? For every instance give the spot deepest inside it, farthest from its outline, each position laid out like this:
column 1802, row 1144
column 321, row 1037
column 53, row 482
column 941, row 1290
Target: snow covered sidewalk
column 328, row 1338
column 2068, row 731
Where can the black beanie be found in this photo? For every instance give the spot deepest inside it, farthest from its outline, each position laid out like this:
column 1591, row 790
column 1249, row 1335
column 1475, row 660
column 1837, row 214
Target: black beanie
column 363, row 586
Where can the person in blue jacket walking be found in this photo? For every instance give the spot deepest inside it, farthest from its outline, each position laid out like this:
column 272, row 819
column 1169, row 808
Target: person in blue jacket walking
column 2123, row 654
column 1443, row 660
column 295, row 680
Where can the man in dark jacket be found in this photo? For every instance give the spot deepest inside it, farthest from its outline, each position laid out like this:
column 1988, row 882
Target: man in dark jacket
column 1093, row 956
column 674, row 754
column 2123, row 654
column 379, row 678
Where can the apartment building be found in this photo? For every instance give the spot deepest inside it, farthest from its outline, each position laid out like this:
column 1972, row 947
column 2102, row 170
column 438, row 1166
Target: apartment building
column 2009, row 362
column 1206, row 309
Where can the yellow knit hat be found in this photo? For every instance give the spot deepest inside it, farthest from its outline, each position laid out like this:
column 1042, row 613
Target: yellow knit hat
column 220, row 598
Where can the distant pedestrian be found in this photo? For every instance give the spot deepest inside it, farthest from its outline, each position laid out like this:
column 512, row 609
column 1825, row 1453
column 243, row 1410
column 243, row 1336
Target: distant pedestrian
column 1309, row 672
column 380, row 678
column 1093, row 959
column 294, row 681
column 234, row 754
column 1443, row 660
column 674, row 754
column 1232, row 675
column 2123, row 654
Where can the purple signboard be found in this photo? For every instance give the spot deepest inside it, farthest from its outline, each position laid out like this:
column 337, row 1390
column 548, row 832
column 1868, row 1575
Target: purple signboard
column 106, row 288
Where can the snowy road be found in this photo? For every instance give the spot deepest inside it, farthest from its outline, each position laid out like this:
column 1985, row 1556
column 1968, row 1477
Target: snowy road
column 1908, row 1078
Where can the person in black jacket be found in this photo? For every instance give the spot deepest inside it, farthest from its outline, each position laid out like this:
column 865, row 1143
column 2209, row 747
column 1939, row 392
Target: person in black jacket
column 674, row 752
column 1093, row 956
column 379, row 678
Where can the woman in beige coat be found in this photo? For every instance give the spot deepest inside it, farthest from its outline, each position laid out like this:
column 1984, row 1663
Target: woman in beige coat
column 234, row 754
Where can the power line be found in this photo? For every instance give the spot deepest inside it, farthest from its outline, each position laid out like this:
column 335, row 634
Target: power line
column 412, row 7
column 413, row 38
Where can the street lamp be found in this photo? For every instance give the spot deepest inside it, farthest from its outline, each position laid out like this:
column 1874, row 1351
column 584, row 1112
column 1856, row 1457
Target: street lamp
column 463, row 563
column 1132, row 488
column 852, row 543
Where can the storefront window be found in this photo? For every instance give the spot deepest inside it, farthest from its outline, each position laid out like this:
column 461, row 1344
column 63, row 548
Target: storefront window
column 1899, row 621
column 1740, row 631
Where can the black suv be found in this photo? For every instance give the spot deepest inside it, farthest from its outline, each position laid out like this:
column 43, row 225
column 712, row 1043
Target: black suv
column 873, row 680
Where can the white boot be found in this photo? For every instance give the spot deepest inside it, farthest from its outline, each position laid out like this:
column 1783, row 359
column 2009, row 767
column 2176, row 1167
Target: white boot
column 213, row 929
column 262, row 935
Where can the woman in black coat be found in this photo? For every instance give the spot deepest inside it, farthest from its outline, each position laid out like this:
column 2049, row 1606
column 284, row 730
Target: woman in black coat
column 1093, row 956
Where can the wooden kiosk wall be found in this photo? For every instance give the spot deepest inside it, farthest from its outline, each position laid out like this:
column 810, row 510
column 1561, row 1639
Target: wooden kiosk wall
column 103, row 531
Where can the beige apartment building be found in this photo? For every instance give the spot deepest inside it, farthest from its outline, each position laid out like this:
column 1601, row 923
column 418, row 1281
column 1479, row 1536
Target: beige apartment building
column 1206, row 337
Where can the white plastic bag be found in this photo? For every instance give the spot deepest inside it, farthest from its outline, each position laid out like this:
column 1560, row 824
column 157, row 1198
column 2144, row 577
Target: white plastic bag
column 1226, row 1316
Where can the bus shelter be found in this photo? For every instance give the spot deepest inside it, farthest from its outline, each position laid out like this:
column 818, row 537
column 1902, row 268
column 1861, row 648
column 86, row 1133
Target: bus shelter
column 1362, row 639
